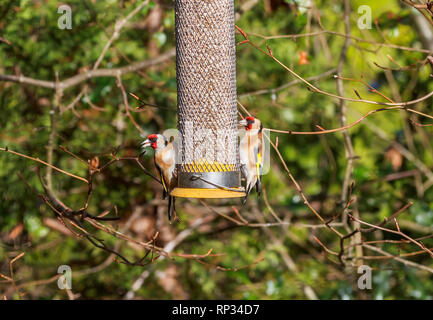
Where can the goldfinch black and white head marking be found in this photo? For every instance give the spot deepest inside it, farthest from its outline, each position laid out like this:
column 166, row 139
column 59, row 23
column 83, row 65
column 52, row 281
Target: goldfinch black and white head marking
column 251, row 123
column 156, row 141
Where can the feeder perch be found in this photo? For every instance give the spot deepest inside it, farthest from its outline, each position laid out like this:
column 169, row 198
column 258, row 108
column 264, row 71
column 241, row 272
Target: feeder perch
column 208, row 163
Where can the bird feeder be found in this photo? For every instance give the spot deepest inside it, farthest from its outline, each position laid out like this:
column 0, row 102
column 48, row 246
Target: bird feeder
column 208, row 153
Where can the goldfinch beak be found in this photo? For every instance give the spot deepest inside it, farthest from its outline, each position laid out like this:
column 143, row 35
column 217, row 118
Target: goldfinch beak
column 146, row 143
column 243, row 122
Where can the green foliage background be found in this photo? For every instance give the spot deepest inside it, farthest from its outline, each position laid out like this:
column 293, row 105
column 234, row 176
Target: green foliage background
column 40, row 49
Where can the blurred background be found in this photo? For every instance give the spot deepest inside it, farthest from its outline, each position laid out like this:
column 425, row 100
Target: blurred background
column 274, row 247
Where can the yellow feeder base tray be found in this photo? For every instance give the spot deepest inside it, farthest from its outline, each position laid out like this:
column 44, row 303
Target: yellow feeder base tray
column 207, row 193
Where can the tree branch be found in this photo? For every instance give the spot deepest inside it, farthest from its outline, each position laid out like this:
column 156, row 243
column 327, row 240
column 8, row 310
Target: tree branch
column 98, row 73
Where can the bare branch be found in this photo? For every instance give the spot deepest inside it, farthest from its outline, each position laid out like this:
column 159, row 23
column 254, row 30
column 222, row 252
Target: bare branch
column 98, row 73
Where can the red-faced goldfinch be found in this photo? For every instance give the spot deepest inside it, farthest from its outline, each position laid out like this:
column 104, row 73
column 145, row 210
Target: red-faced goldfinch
column 165, row 163
column 251, row 154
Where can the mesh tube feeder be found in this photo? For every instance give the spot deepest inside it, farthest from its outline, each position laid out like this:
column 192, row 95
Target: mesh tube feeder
column 208, row 153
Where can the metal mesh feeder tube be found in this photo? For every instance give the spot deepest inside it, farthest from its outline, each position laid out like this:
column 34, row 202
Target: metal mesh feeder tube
column 208, row 160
